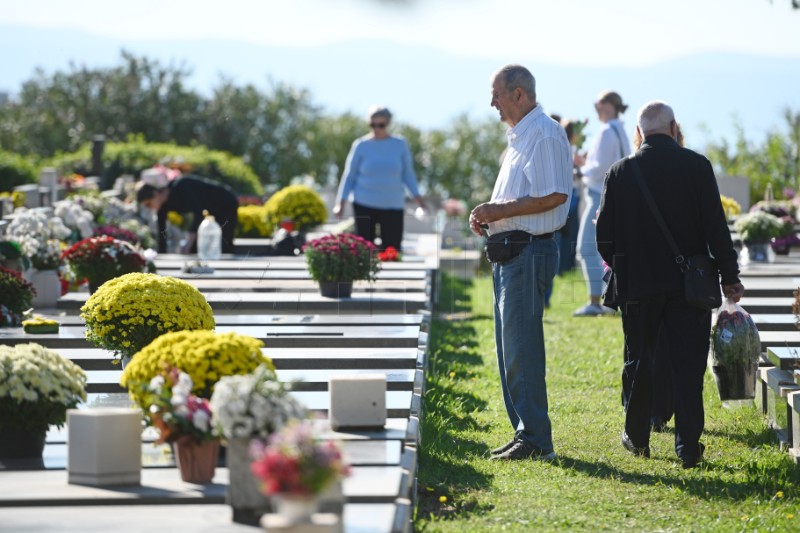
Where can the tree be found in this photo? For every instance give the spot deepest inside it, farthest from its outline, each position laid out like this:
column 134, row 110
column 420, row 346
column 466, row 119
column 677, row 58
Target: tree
column 776, row 161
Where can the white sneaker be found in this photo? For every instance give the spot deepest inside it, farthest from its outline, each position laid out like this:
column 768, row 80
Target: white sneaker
column 590, row 310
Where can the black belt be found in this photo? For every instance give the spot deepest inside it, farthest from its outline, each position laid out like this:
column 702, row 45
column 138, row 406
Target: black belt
column 521, row 236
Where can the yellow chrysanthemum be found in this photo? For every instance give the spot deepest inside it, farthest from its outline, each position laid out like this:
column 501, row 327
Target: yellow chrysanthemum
column 298, row 203
column 204, row 355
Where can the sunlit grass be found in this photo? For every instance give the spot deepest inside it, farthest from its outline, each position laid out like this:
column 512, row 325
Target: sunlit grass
column 746, row 483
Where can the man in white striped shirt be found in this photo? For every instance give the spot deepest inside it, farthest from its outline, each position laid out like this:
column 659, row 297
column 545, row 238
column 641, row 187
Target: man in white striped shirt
column 529, row 202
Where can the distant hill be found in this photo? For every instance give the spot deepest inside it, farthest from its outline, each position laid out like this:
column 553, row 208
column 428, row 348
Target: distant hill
column 428, row 87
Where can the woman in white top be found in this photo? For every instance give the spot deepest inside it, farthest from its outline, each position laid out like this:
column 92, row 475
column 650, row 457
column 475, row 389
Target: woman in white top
column 609, row 146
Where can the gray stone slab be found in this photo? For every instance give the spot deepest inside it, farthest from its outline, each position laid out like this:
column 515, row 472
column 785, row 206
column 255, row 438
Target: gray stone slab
column 163, row 486
column 301, row 380
column 783, row 268
column 775, row 322
column 305, row 286
column 758, row 305
column 285, row 358
column 771, row 287
column 779, row 338
column 167, row 262
column 292, row 320
column 274, row 274
column 356, row 453
column 784, row 358
column 203, row 518
column 273, row 337
column 398, row 403
column 362, row 303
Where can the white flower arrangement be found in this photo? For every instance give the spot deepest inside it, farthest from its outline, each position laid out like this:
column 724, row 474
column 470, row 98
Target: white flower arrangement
column 253, row 405
column 75, row 217
column 116, row 212
column 35, row 232
column 37, row 386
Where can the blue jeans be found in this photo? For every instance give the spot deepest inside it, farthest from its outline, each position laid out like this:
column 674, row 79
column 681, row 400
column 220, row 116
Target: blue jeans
column 591, row 261
column 519, row 289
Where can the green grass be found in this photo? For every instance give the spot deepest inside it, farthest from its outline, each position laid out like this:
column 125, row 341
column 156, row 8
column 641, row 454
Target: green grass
column 745, row 484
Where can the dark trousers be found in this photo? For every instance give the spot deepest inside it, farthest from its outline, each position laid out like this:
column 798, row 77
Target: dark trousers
column 684, row 334
column 663, row 404
column 390, row 221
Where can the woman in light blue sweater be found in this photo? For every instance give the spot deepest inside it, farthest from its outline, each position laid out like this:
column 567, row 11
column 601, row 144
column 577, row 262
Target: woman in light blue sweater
column 378, row 170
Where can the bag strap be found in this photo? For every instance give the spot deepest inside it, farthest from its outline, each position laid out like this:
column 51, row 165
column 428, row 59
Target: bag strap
column 680, row 260
column 619, row 138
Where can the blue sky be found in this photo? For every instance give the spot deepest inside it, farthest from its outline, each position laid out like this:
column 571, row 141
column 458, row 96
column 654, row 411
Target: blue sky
column 567, row 32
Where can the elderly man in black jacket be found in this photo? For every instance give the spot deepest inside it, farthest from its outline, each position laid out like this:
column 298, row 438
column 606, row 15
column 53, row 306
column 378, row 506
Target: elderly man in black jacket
column 649, row 283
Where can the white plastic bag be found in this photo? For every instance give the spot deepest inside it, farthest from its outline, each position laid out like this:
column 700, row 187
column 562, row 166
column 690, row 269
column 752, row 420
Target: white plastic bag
column 735, row 349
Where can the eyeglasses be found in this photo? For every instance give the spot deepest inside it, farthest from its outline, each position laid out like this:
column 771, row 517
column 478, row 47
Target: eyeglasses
column 377, row 125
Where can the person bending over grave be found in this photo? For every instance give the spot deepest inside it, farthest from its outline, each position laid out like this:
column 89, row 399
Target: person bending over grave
column 192, row 195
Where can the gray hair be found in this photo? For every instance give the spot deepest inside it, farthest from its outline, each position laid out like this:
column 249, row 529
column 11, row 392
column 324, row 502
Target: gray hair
column 517, row 77
column 379, row 111
column 655, row 116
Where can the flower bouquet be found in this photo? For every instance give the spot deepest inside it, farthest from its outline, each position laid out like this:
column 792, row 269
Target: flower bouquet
column 183, row 419
column 37, row 386
column 39, row 237
column 341, row 259
column 294, row 465
column 16, row 295
column 131, row 311
column 297, row 203
column 758, row 227
column 244, row 407
column 204, row 355
column 75, row 217
column 735, row 349
column 99, row 259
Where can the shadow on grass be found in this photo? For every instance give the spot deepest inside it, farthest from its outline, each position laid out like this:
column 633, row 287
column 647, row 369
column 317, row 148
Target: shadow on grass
column 753, row 439
column 758, row 478
column 445, row 479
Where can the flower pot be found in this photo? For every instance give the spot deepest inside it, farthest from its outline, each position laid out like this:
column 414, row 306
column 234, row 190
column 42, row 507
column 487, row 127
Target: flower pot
column 48, row 287
column 244, row 494
column 296, row 508
column 757, row 252
column 336, row 289
column 18, row 443
column 197, row 461
column 736, row 382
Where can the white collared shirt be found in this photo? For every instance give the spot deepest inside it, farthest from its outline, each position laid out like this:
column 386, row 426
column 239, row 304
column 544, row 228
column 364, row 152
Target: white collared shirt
column 609, row 146
column 538, row 162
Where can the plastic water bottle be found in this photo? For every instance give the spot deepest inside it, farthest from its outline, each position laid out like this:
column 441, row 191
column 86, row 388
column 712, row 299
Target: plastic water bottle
column 209, row 239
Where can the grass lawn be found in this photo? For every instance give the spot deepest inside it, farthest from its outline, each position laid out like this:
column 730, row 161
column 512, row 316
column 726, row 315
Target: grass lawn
column 745, row 484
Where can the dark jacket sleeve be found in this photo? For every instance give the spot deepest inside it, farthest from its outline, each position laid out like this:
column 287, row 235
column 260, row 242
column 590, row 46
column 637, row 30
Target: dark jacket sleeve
column 190, row 197
column 715, row 225
column 162, row 231
column 605, row 221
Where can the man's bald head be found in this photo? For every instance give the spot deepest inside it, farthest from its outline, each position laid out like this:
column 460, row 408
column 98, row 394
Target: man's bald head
column 656, row 117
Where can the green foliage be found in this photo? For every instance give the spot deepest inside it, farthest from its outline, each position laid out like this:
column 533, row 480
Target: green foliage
column 136, row 154
column 15, row 170
column 746, row 483
column 775, row 161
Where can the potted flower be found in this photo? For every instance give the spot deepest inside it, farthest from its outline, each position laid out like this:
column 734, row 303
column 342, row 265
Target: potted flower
column 730, row 206
column 245, row 407
column 182, row 419
column 40, row 238
column 757, row 228
column 99, row 259
column 16, row 295
column 335, row 261
column 37, row 386
column 390, row 254
column 294, row 467
column 297, row 204
column 131, row 311
column 204, row 355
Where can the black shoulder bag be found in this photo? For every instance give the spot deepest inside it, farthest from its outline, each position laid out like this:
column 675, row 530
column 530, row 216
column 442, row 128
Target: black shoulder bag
column 700, row 274
column 608, row 294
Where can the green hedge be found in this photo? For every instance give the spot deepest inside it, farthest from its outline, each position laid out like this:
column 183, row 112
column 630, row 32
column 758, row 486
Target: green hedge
column 15, row 170
column 136, row 155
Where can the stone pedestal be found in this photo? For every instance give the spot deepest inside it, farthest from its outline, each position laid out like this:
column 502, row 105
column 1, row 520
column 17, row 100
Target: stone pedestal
column 48, row 287
column 358, row 401
column 104, row 446
column 318, row 523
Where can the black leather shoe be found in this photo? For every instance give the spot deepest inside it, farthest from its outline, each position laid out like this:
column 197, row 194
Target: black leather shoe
column 522, row 450
column 504, row 447
column 691, row 461
column 627, row 443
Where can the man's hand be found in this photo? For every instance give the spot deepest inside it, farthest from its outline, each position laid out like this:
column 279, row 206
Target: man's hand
column 481, row 215
column 733, row 292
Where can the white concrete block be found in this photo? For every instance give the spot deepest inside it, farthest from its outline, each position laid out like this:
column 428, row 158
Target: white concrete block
column 358, row 401
column 104, row 446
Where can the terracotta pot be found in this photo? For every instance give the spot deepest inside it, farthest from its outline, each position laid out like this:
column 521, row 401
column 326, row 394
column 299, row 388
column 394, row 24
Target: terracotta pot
column 336, row 289
column 197, row 461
